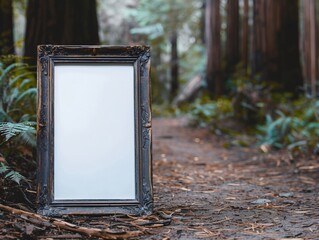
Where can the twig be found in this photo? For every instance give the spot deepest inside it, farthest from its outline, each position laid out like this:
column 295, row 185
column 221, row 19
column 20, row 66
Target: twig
column 76, row 236
column 91, row 232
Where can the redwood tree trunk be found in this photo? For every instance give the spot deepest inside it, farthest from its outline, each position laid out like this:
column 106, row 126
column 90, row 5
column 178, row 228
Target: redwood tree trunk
column 258, row 36
column 232, row 40
column 6, row 27
column 202, row 23
column 60, row 22
column 290, row 72
column 174, row 66
column 276, row 43
column 245, row 35
column 213, row 46
column 309, row 47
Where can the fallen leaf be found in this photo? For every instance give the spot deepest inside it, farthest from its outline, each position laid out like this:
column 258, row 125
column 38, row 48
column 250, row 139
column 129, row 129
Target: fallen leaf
column 29, row 229
column 286, row 195
column 261, row 201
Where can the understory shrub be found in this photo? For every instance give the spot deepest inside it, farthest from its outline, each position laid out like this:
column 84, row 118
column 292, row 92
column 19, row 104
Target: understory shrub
column 17, row 114
column 297, row 129
column 291, row 125
column 205, row 112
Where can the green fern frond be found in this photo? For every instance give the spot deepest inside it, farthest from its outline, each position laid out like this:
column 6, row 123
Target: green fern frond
column 20, row 77
column 3, row 168
column 29, row 92
column 25, row 130
column 5, row 72
column 11, row 174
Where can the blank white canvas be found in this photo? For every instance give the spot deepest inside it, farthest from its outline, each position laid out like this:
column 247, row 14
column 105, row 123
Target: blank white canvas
column 94, row 140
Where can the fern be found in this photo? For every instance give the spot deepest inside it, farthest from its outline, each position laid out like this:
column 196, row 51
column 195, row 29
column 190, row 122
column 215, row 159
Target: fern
column 25, row 131
column 296, row 130
column 17, row 92
column 204, row 112
column 27, row 93
column 17, row 112
column 11, row 174
column 5, row 72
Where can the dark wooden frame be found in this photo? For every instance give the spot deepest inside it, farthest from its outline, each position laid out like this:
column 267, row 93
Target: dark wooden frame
column 139, row 56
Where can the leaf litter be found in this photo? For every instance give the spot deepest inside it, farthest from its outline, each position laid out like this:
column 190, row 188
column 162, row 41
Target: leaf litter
column 201, row 191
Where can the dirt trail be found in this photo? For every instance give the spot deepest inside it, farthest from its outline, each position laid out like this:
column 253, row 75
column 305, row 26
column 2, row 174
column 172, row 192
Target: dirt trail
column 202, row 191
column 210, row 190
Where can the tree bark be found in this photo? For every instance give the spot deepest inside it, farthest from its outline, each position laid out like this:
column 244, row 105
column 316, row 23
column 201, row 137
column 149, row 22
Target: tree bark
column 60, row 22
column 245, row 35
column 276, row 43
column 174, row 66
column 202, row 23
column 232, row 39
column 258, row 36
column 290, row 72
column 213, row 46
column 309, row 47
column 6, row 27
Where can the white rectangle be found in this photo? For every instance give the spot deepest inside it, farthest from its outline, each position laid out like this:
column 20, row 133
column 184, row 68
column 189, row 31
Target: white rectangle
column 94, row 132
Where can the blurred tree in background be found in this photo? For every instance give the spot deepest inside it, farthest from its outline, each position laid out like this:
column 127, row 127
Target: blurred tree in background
column 276, row 43
column 173, row 29
column 213, row 45
column 207, row 39
column 6, row 27
column 60, row 22
column 309, row 46
column 272, row 41
column 232, row 42
column 248, row 55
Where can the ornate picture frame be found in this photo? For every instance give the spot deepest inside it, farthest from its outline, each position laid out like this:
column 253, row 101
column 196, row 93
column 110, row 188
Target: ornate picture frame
column 55, row 66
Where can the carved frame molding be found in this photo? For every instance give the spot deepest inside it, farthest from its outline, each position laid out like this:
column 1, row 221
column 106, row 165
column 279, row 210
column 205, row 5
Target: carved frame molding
column 139, row 56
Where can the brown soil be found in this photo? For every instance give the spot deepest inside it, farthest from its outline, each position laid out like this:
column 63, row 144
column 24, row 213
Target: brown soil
column 209, row 190
column 205, row 191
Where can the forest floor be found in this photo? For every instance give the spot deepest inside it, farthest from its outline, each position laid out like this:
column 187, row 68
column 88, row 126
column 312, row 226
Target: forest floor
column 202, row 190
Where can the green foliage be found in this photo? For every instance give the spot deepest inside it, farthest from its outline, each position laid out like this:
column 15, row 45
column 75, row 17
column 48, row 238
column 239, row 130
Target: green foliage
column 297, row 129
column 293, row 125
column 205, row 112
column 193, row 62
column 10, row 174
column 17, row 102
column 153, row 31
column 165, row 111
column 254, row 98
column 24, row 131
column 157, row 21
column 170, row 14
column 17, row 111
column 18, row 93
